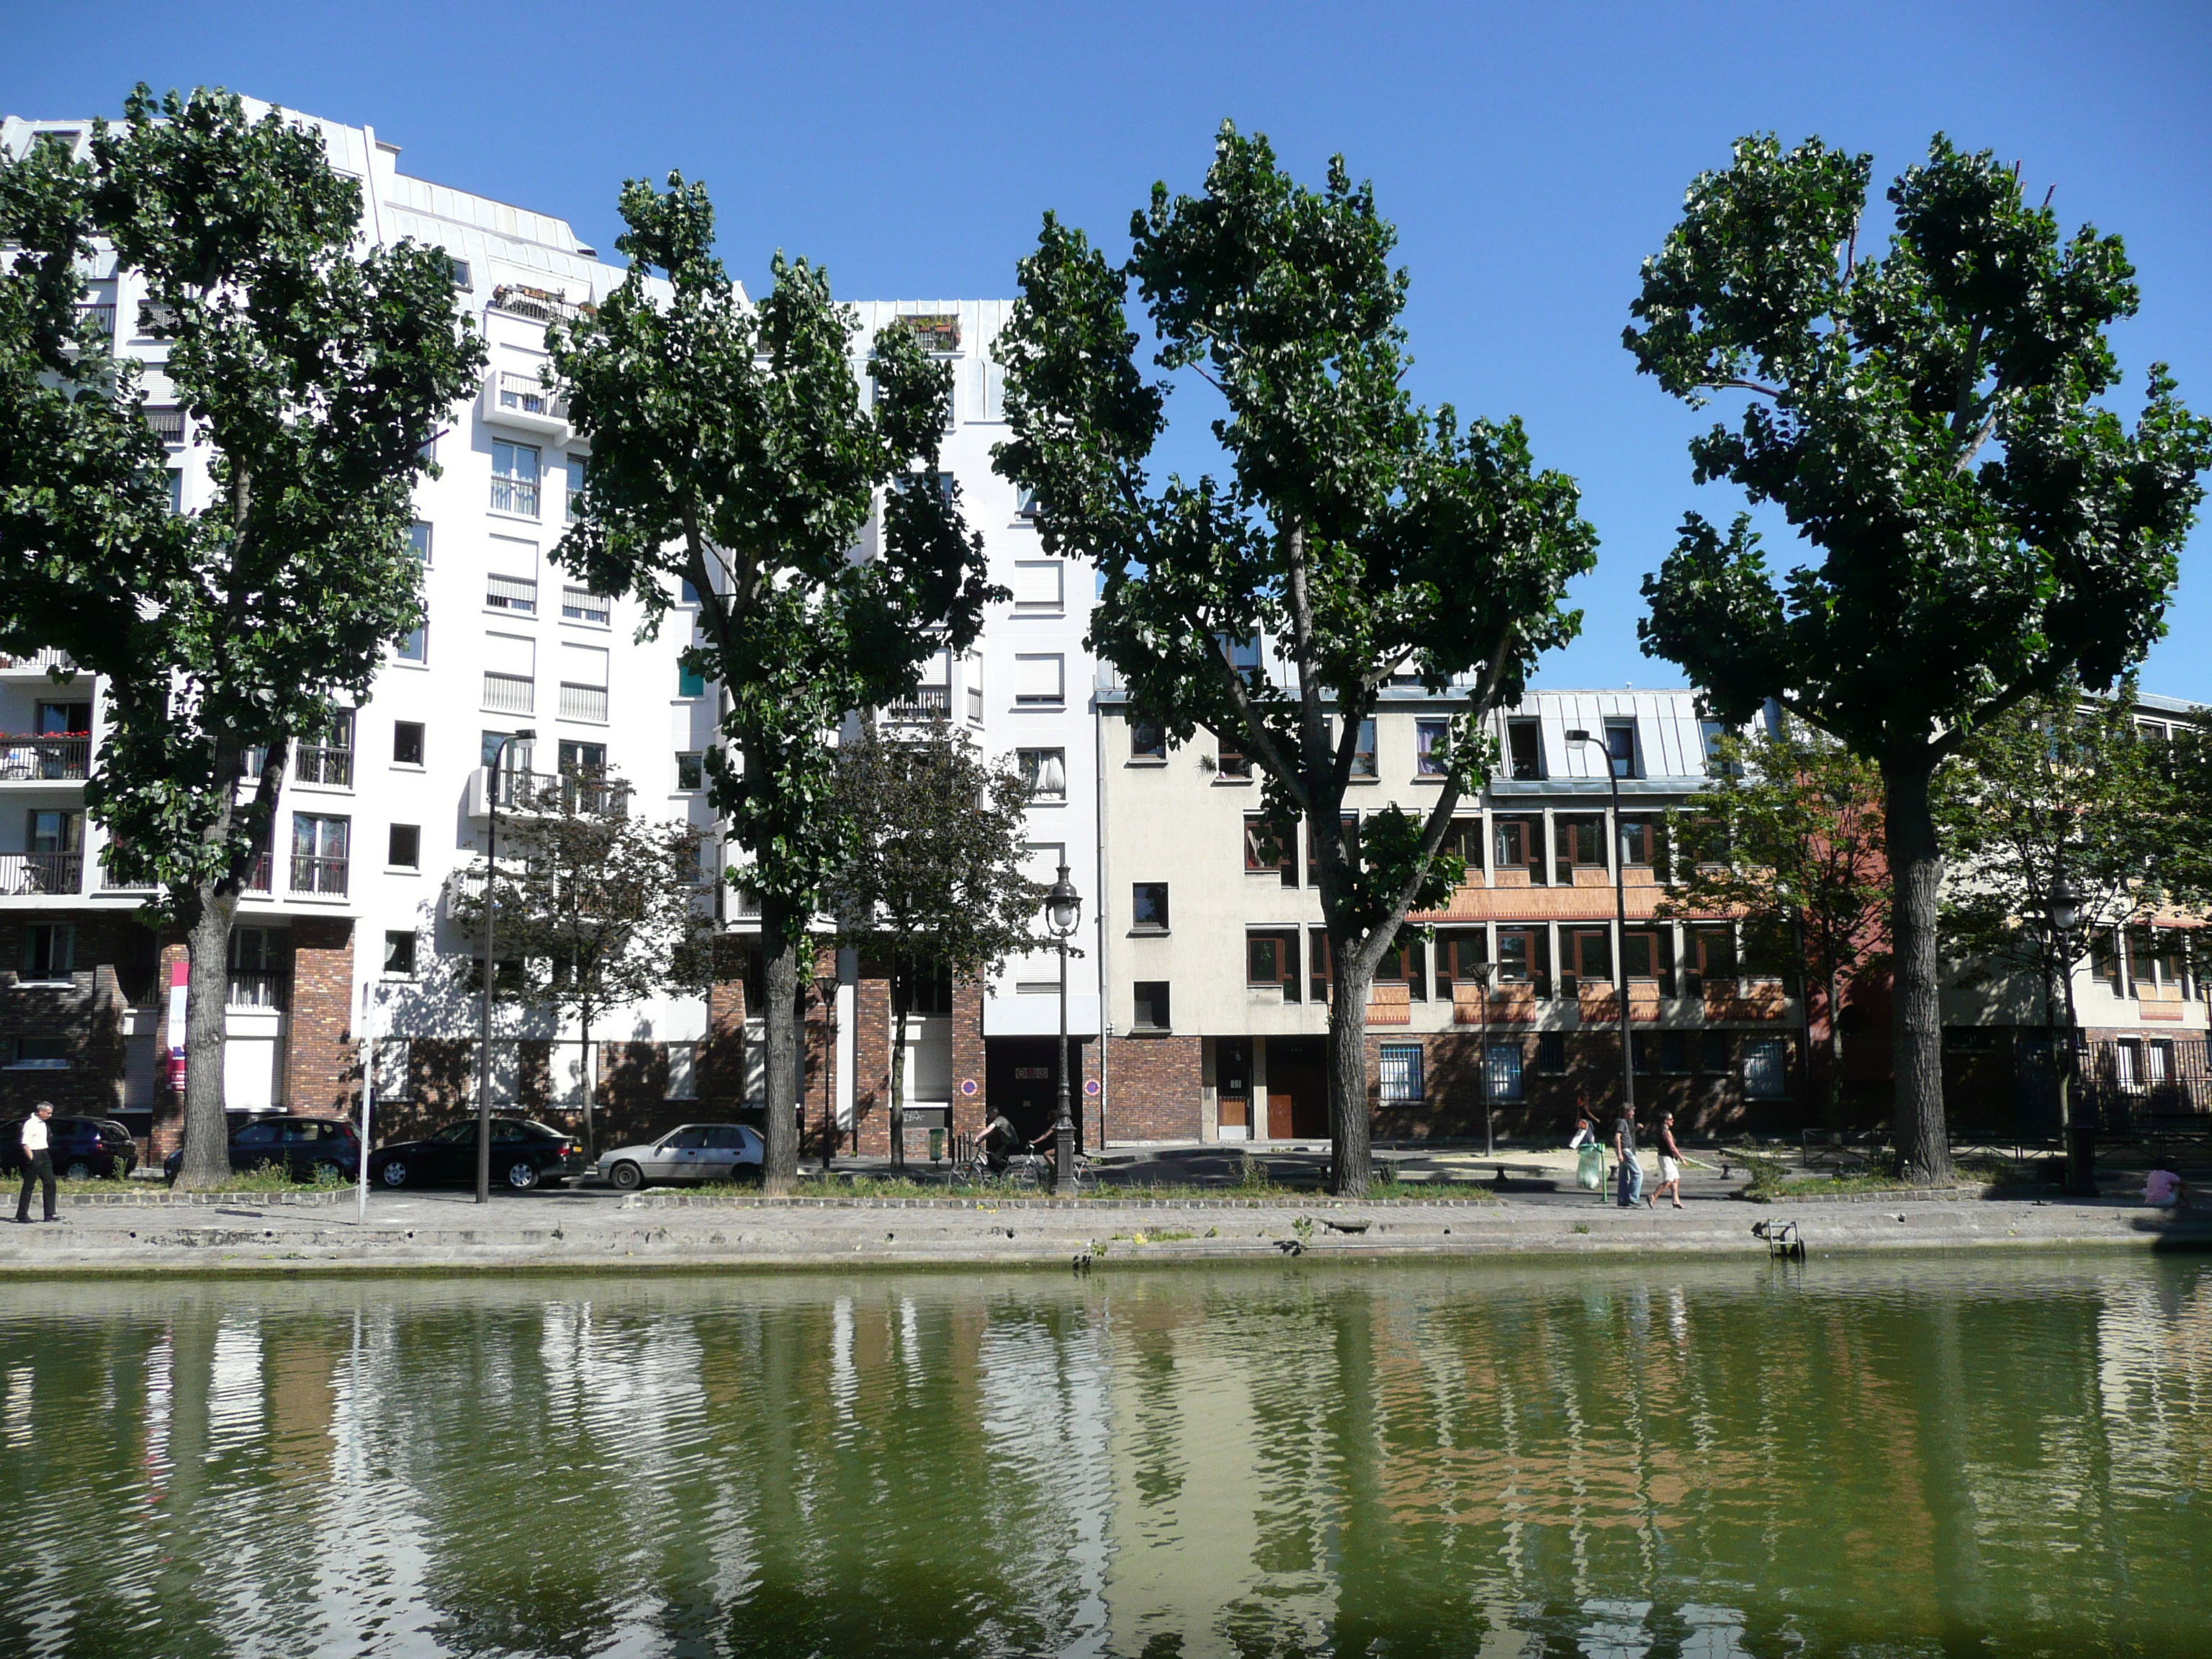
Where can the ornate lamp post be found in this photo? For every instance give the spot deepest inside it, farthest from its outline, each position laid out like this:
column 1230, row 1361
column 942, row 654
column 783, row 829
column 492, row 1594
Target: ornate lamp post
column 1620, row 927
column 491, row 966
column 1063, row 908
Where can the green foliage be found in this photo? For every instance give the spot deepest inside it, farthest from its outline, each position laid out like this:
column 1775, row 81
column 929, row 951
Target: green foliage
column 1935, row 420
column 1356, row 537
column 2065, row 795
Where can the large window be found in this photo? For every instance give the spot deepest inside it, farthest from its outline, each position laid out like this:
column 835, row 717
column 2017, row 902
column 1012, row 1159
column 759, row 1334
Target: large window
column 514, row 478
column 1586, row 957
column 1363, row 750
column 1463, row 958
column 1400, row 1074
column 49, row 949
column 319, row 853
column 1406, row 962
column 1581, row 838
column 1432, row 744
column 1766, row 1068
column 1040, row 681
column 1501, row 1071
column 1044, row 773
column 1525, row 959
column 1524, row 749
column 1519, row 844
column 1271, row 847
column 1271, row 957
column 1621, row 749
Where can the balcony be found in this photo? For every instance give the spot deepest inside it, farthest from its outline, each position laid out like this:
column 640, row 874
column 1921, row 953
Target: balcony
column 521, row 402
column 929, row 702
column 321, row 765
column 319, row 878
column 35, row 666
column 532, row 794
column 97, row 319
column 538, row 304
column 258, row 989
column 45, row 760
column 33, row 875
column 509, row 694
column 515, row 495
column 259, row 879
column 584, row 702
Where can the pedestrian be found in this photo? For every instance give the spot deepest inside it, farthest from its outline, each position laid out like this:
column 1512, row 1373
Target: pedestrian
column 2162, row 1186
column 1590, row 1157
column 38, row 1161
column 1670, row 1164
column 1624, row 1148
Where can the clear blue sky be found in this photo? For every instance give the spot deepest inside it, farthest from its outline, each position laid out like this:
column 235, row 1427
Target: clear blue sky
column 1530, row 156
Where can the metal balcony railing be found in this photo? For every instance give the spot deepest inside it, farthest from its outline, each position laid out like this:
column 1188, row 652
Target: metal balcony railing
column 58, row 760
column 509, row 694
column 321, row 876
column 37, row 662
column 525, row 395
column 324, row 764
column 520, row 299
column 111, row 883
column 259, row 879
column 516, row 495
column 928, row 703
column 527, row 792
column 584, row 702
column 263, row 987
column 26, row 874
column 100, row 319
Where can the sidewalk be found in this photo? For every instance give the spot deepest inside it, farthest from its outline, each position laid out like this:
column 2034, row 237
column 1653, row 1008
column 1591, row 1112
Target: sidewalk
column 571, row 1232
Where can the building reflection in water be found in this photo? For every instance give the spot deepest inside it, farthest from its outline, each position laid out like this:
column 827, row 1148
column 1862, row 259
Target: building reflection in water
column 1700, row 1461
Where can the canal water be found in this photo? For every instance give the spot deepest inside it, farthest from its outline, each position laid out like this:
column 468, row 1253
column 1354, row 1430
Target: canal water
column 1918, row 1457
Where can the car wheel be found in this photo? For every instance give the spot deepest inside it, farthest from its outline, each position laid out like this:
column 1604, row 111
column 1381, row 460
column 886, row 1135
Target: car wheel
column 626, row 1176
column 394, row 1173
column 328, row 1169
column 78, row 1169
column 522, row 1174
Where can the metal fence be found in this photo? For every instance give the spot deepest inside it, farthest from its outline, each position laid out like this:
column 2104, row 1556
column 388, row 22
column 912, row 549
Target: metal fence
column 2146, row 1084
column 55, row 759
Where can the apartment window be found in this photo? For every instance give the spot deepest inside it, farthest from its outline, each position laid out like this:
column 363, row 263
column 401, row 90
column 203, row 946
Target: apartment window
column 1674, row 1051
column 39, row 1054
column 1406, row 962
column 690, row 683
column 510, row 678
column 974, row 662
column 1766, row 1068
column 406, row 743
column 1320, row 964
column 1347, row 830
column 176, row 477
column 49, row 949
column 403, row 848
column 1712, row 734
column 574, row 465
column 1643, row 952
column 1148, row 907
column 686, row 592
column 319, row 853
column 1712, row 958
column 1270, row 847
column 1524, row 958
column 1524, row 749
column 1463, row 958
column 418, row 542
column 1230, row 758
column 2105, row 958
column 1713, row 1055
column 415, row 645
column 1581, row 844
column 584, row 682
column 62, row 145
column 1271, row 957
column 1044, row 773
column 515, row 594
column 1463, row 840
column 1501, row 1071
column 325, row 757
column 168, row 425
column 1039, row 680
column 1243, row 655
column 690, row 770
column 1585, row 957
column 1148, row 741
column 1432, row 745
column 1401, row 1073
column 1552, row 1052
column 1620, row 752
column 1151, row 1011
column 399, row 955
column 1038, row 585
column 53, row 857
column 514, row 478
column 581, row 604
column 1363, row 750
column 1639, row 841
column 1519, row 843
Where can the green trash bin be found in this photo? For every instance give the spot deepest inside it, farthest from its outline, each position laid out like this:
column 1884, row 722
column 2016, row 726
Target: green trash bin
column 936, row 1146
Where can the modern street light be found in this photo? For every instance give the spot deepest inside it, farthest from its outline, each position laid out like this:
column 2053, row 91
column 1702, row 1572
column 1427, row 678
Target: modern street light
column 1063, row 908
column 491, row 966
column 1620, row 927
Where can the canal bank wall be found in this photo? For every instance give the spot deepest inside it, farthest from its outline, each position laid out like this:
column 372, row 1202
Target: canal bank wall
column 679, row 1233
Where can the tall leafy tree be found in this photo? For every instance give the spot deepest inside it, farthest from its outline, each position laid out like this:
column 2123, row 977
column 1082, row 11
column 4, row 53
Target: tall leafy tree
column 1801, row 819
column 604, row 909
column 934, row 883
column 1362, row 537
column 1935, row 420
column 2064, row 805
column 731, row 449
column 314, row 374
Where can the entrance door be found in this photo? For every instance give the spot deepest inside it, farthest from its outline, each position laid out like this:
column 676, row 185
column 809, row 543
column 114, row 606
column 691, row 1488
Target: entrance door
column 1297, row 1088
column 1232, row 1072
column 1018, row 1080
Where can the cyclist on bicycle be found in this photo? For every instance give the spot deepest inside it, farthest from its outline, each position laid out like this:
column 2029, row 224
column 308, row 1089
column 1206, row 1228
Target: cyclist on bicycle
column 1000, row 1141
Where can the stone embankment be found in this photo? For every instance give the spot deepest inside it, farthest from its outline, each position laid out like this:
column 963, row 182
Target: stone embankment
column 571, row 1232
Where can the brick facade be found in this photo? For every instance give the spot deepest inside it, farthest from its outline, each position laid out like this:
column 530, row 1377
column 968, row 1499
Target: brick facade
column 114, row 959
column 322, row 1076
column 1155, row 1088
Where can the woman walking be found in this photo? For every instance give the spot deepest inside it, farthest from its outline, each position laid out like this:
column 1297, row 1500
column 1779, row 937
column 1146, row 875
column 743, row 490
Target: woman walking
column 1670, row 1165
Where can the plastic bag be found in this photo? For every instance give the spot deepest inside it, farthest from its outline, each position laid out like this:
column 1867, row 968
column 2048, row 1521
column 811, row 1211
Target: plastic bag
column 1589, row 1168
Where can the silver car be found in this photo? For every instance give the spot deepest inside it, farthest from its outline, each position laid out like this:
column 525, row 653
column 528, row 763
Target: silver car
column 695, row 1151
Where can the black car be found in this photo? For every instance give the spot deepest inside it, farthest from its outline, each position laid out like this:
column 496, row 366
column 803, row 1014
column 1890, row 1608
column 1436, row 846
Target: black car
column 524, row 1152
column 84, row 1148
column 309, row 1147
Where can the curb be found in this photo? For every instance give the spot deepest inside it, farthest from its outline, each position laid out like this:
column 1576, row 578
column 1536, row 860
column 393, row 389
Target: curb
column 1083, row 1205
column 312, row 1198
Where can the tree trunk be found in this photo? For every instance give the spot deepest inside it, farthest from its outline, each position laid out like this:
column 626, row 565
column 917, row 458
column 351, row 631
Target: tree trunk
column 591, row 1087
column 207, row 1133
column 780, row 1019
column 1835, row 1050
column 898, row 1080
column 1916, row 871
column 1351, row 1164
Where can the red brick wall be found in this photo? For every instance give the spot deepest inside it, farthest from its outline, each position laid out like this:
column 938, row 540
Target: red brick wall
column 320, row 1074
column 872, row 1068
column 969, row 1112
column 89, row 1011
column 1154, row 1088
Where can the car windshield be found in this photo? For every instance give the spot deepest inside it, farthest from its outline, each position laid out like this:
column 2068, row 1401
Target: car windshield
column 523, row 1128
column 454, row 1134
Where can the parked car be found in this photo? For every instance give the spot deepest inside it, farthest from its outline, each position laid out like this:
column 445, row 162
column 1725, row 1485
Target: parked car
column 307, row 1146
column 524, row 1152
column 84, row 1148
column 695, row 1151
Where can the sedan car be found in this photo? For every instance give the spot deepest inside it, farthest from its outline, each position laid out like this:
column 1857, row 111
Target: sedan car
column 84, row 1148
column 327, row 1148
column 696, row 1152
column 523, row 1153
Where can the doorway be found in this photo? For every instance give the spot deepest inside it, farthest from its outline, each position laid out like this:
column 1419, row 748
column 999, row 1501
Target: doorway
column 1298, row 1088
column 1018, row 1080
column 1232, row 1071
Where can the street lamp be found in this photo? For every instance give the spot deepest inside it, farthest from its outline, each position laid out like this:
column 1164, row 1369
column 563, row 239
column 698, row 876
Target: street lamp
column 1063, row 907
column 1620, row 927
column 491, row 965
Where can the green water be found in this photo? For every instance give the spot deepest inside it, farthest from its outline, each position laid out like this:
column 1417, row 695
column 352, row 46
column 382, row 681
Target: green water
column 1909, row 1457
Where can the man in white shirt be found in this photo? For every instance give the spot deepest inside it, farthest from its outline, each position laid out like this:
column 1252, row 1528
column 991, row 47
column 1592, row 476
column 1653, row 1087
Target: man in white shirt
column 38, row 1161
